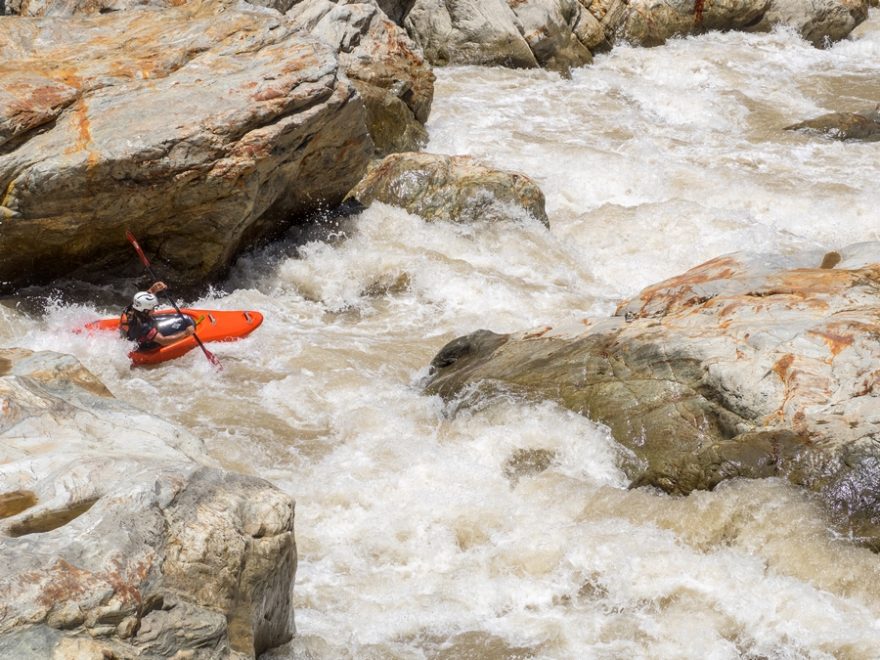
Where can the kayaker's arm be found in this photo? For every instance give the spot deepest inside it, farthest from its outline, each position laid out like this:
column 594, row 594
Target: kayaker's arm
column 165, row 340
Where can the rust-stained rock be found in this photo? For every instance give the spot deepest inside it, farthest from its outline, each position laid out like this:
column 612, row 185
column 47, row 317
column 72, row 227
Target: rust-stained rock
column 92, row 7
column 116, row 538
column 858, row 126
column 749, row 365
column 451, row 188
column 383, row 63
column 652, row 22
column 201, row 127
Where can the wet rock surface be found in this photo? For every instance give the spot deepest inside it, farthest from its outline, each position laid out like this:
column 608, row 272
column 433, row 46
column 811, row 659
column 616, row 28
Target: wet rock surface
column 451, row 188
column 201, row 127
column 749, row 365
column 857, row 126
column 383, row 63
column 118, row 540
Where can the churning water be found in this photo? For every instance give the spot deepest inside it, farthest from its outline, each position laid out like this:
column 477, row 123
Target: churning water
column 426, row 534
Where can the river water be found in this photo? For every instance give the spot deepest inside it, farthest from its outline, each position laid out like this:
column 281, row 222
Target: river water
column 416, row 539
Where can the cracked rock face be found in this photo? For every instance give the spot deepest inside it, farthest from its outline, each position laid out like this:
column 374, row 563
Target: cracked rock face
column 115, row 542
column 201, row 127
column 450, row 188
column 750, row 365
column 382, row 62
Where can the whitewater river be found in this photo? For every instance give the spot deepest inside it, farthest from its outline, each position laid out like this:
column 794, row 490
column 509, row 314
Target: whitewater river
column 414, row 542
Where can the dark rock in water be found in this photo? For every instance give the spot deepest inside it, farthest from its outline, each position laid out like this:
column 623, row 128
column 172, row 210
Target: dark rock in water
column 108, row 122
column 864, row 126
column 747, row 366
column 452, row 188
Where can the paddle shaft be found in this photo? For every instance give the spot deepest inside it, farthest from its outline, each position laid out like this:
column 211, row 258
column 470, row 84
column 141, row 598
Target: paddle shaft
column 146, row 262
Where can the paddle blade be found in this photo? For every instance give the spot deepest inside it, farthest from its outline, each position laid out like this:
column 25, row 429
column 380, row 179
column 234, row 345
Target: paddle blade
column 213, row 359
column 137, row 248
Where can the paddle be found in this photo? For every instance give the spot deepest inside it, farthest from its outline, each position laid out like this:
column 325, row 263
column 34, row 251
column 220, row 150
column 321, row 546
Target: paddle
column 208, row 354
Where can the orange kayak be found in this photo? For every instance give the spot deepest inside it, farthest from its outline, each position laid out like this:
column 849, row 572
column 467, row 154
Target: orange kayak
column 211, row 325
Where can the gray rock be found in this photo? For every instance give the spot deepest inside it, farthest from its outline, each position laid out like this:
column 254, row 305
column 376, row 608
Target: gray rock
column 383, row 63
column 469, row 32
column 115, row 539
column 451, row 188
column 201, row 127
column 818, row 21
column 750, row 365
column 652, row 22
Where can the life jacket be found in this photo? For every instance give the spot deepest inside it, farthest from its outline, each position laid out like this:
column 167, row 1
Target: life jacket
column 138, row 326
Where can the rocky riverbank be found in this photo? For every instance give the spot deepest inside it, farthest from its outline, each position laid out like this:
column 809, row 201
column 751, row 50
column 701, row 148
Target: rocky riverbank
column 118, row 536
column 750, row 365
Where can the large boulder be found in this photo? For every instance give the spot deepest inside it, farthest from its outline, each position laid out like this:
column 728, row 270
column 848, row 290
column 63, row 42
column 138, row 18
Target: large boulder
column 818, row 21
column 652, row 22
column 469, row 32
column 201, row 127
column 116, row 539
column 451, row 188
column 860, row 126
column 751, row 365
column 383, row 63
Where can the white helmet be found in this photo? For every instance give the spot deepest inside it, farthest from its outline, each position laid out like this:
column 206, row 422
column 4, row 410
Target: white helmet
column 144, row 301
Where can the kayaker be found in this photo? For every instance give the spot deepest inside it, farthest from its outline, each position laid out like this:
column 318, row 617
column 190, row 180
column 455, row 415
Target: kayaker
column 137, row 322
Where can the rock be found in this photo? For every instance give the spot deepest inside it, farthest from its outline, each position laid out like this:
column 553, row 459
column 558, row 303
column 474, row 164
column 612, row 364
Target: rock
column 652, row 22
column 863, row 126
column 451, row 188
column 469, row 32
column 750, row 365
column 383, row 63
column 396, row 10
column 559, row 33
column 201, row 127
column 91, row 7
column 118, row 541
column 818, row 21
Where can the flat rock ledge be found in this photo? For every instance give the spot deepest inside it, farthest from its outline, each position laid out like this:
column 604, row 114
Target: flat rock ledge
column 750, row 365
column 117, row 540
column 450, row 188
column 201, row 127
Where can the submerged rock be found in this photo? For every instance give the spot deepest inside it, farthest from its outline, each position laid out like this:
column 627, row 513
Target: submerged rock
column 117, row 540
column 452, row 188
column 844, row 125
column 201, row 127
column 749, row 365
column 383, row 63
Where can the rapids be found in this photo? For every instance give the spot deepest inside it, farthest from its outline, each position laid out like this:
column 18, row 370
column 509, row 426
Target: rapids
column 416, row 537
